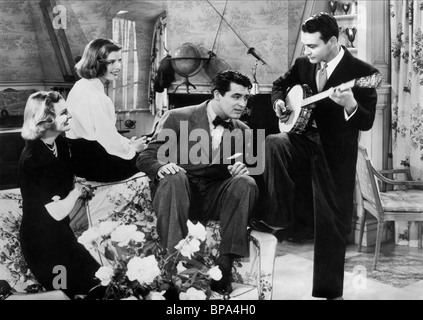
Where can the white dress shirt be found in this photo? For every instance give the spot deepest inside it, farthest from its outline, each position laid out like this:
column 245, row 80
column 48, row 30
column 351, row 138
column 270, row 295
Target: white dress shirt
column 94, row 118
column 216, row 132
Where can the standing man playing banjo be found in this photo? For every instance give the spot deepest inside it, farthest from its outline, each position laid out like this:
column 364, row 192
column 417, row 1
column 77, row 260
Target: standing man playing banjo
column 310, row 172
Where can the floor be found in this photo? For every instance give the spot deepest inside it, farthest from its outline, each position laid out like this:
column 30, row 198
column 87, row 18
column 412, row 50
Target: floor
column 399, row 275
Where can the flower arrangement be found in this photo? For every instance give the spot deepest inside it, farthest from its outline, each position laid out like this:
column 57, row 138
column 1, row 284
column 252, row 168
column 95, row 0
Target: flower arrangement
column 136, row 266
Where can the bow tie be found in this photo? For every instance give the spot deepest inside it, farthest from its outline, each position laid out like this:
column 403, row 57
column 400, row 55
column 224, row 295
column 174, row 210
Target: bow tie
column 218, row 121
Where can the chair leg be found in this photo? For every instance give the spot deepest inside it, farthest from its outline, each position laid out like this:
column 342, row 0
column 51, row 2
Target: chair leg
column 362, row 224
column 380, row 225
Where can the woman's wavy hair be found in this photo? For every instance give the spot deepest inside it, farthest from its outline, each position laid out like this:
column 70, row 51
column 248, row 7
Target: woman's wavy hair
column 39, row 114
column 93, row 63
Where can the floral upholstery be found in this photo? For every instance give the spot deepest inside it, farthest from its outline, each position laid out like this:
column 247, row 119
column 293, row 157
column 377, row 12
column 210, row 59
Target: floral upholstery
column 130, row 202
column 402, row 201
column 253, row 275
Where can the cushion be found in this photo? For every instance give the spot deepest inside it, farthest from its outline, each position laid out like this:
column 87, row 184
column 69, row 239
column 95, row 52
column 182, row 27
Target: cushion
column 402, row 200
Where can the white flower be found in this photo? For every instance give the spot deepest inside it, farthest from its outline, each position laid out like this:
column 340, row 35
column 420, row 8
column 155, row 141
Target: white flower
column 105, row 274
column 106, row 227
column 156, row 295
column 138, row 236
column 192, row 294
column 197, row 230
column 143, row 269
column 180, row 267
column 89, row 238
column 188, row 246
column 122, row 234
column 215, row 273
column 129, row 298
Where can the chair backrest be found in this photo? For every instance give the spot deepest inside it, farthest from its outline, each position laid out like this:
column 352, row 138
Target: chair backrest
column 368, row 184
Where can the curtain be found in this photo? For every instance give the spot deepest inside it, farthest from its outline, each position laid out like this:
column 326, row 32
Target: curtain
column 124, row 92
column 407, row 96
column 158, row 100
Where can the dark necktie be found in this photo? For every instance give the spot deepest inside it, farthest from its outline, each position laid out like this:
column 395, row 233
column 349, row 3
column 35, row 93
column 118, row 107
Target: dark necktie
column 218, row 121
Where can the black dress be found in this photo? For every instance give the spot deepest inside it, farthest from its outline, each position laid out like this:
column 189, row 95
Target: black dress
column 91, row 161
column 45, row 242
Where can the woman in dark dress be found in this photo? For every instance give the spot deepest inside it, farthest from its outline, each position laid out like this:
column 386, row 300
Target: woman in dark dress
column 46, row 180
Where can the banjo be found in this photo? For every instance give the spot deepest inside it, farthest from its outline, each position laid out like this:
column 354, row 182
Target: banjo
column 301, row 101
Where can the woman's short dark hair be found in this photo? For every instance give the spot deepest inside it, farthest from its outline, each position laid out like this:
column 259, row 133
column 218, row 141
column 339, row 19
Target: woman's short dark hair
column 39, row 114
column 324, row 23
column 222, row 81
column 93, row 63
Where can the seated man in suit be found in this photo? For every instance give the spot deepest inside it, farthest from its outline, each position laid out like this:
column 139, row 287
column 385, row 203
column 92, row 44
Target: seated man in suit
column 199, row 187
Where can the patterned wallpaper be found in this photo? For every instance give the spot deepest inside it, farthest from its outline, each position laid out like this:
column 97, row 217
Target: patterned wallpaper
column 261, row 24
column 19, row 49
column 26, row 53
column 86, row 21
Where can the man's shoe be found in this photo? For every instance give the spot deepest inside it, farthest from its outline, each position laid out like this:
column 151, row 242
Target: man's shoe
column 5, row 290
column 223, row 286
column 301, row 238
column 260, row 226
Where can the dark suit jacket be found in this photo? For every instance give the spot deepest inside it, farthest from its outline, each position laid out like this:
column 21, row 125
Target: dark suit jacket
column 182, row 122
column 339, row 137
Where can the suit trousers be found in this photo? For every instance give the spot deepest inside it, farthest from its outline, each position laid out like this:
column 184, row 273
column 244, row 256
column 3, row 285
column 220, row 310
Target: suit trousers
column 300, row 193
column 180, row 197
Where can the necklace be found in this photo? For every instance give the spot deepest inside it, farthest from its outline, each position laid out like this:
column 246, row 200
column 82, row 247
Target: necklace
column 52, row 148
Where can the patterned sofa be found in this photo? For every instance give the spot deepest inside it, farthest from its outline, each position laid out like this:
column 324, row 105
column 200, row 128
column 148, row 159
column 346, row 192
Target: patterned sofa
column 130, row 200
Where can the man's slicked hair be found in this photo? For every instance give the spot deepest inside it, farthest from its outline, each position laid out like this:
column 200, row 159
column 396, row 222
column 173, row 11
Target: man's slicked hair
column 324, row 23
column 222, row 81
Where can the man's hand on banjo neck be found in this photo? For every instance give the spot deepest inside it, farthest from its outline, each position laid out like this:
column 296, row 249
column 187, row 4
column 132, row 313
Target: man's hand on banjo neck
column 344, row 97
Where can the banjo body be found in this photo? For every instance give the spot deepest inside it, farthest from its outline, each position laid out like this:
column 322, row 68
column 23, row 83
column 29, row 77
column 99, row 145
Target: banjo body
column 299, row 116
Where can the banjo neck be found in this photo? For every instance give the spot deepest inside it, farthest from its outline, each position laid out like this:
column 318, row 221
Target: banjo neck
column 297, row 99
column 324, row 94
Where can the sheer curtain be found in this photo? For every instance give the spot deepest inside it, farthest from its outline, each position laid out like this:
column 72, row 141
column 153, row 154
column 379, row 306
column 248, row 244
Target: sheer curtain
column 407, row 96
column 124, row 92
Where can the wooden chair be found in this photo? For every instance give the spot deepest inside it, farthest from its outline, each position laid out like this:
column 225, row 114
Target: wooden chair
column 404, row 204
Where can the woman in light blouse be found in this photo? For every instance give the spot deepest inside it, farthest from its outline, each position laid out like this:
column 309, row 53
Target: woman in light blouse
column 98, row 151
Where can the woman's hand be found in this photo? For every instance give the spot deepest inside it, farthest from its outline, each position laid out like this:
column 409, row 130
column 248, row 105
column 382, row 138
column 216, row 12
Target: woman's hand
column 139, row 144
column 61, row 208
